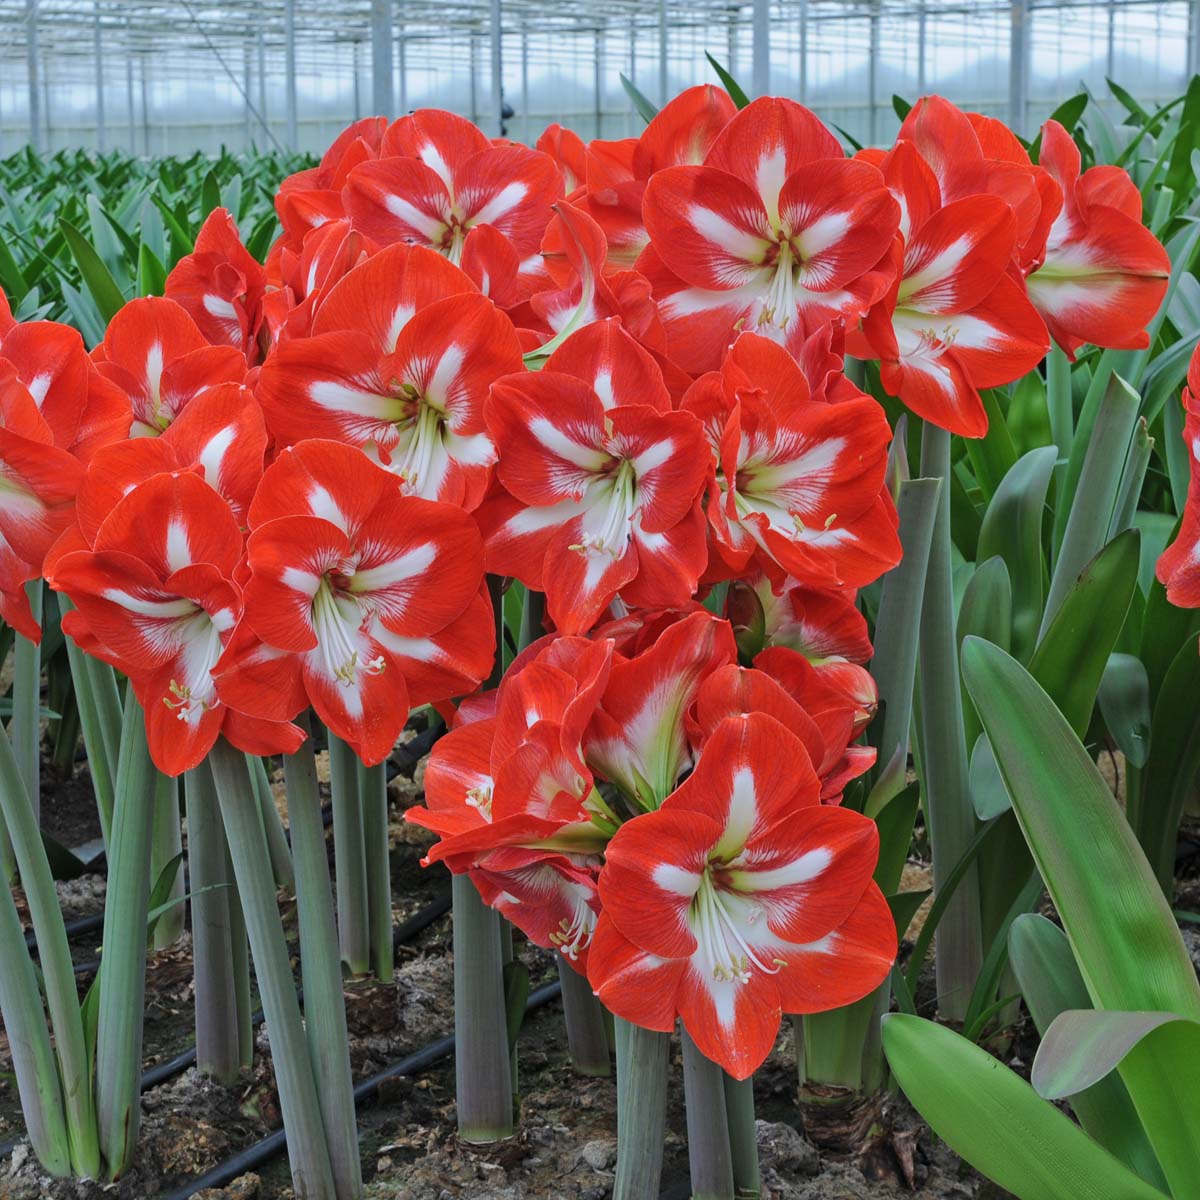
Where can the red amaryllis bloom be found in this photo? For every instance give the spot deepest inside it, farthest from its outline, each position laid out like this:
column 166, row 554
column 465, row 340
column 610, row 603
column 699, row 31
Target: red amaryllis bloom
column 155, row 597
column 220, row 436
column 799, row 480
column 602, row 481
column 155, row 353
column 681, row 134
column 567, row 149
column 1104, row 273
column 351, row 581
column 954, row 320
column 438, row 177
column 402, row 353
column 38, row 483
column 777, row 232
column 221, row 286
column 1179, row 565
column 741, row 898
column 638, row 737
column 514, row 803
column 82, row 409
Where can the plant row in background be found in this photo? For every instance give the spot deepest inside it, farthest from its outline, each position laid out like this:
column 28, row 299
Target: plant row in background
column 697, row 482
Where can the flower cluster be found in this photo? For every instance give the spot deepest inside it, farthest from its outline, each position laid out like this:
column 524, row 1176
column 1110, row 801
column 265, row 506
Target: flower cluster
column 614, row 372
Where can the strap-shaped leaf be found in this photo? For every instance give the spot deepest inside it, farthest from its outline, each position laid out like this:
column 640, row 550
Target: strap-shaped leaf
column 1125, row 705
column 997, row 1122
column 96, row 277
column 1051, row 984
column 1084, row 1045
column 1073, row 652
column 1012, row 528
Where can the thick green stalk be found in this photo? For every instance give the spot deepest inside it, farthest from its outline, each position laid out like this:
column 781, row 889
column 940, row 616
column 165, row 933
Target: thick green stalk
column 165, row 848
column 312, row 1175
column 372, row 790
column 350, row 859
column 123, row 973
column 641, row 1111
column 897, row 631
column 101, row 767
column 482, row 1070
column 25, row 729
column 743, row 1137
column 584, row 1016
column 29, row 1045
column 281, row 856
column 710, row 1160
column 240, row 942
column 945, row 792
column 58, row 971
column 218, row 1029
column 834, row 1042
column 320, row 960
column 1061, row 408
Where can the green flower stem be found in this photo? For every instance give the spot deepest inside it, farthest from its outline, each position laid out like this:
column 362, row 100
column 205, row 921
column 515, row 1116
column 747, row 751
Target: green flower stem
column 312, row 1174
column 166, row 846
column 281, row 856
column 350, row 859
column 320, row 958
column 641, row 1111
column 584, row 1016
column 372, row 790
column 58, row 972
column 123, row 971
column 710, row 1159
column 101, row 757
column 239, row 938
column 945, row 791
column 29, row 1044
column 833, row 1045
column 25, row 727
column 743, row 1137
column 218, row 1025
column 482, row 1069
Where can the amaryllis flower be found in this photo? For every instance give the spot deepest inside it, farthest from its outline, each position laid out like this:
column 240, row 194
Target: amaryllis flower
column 798, row 480
column 567, row 149
column 954, row 320
column 777, row 232
column 221, row 286
column 615, row 173
column 601, row 482
column 638, row 737
column 514, row 803
column 438, row 177
column 1104, row 273
column 739, row 899
column 350, row 580
column 1179, row 565
column 402, row 353
column 38, row 483
column 155, row 353
column 155, row 596
column 82, row 409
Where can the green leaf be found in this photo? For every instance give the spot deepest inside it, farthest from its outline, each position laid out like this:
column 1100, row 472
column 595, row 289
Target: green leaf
column 1051, row 983
column 900, row 106
column 997, row 1122
column 516, row 997
column 1083, row 1046
column 904, row 906
column 152, row 275
column 1125, row 705
column 989, row 797
column 210, row 195
column 895, row 822
column 1012, row 529
column 1128, row 947
column 64, row 863
column 985, row 611
column 96, row 278
column 644, row 108
column 728, row 82
column 160, row 893
column 1070, row 659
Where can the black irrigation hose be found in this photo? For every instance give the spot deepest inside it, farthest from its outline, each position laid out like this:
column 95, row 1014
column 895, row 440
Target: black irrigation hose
column 261, row 1152
column 76, row 928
